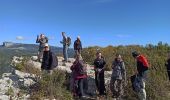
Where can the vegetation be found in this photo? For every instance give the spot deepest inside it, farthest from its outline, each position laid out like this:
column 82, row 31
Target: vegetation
column 50, row 87
column 157, row 85
column 10, row 92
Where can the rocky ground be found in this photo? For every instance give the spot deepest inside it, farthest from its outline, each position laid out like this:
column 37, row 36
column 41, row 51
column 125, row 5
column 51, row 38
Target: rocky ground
column 11, row 83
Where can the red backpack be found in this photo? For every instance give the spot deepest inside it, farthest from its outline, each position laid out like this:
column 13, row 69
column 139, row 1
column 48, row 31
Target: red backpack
column 143, row 59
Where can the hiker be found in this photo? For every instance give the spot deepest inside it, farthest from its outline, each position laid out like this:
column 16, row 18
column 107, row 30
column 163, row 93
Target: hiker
column 50, row 60
column 167, row 64
column 78, row 46
column 79, row 76
column 42, row 39
column 66, row 43
column 138, row 80
column 118, row 78
column 99, row 67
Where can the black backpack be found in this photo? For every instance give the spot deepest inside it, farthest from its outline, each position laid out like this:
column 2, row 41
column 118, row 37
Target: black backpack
column 46, row 39
column 68, row 41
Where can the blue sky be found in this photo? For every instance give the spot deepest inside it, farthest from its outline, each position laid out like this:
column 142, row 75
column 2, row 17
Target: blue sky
column 98, row 22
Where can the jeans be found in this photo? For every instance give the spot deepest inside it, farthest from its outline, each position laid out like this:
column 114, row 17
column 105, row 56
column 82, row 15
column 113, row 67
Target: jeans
column 65, row 52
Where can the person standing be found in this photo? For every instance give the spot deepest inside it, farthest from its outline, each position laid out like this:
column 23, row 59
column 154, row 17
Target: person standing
column 49, row 61
column 142, row 68
column 167, row 64
column 99, row 67
column 66, row 43
column 79, row 75
column 78, row 46
column 42, row 39
column 118, row 77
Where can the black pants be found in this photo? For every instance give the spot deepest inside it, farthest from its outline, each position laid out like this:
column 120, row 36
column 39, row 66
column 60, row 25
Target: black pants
column 169, row 75
column 100, row 82
column 81, row 87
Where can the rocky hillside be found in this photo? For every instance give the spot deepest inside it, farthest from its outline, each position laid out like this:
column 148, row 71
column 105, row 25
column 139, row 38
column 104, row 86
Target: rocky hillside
column 15, row 84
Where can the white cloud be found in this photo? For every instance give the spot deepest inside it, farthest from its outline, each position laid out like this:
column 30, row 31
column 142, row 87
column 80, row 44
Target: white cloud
column 51, row 38
column 19, row 38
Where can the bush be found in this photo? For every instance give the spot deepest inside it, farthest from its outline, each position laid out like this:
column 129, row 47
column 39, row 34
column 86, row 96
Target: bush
column 10, row 92
column 24, row 66
column 157, row 85
column 50, row 87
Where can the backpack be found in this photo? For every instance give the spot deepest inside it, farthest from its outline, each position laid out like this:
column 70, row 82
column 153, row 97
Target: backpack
column 68, row 41
column 82, row 68
column 137, row 84
column 143, row 59
column 46, row 39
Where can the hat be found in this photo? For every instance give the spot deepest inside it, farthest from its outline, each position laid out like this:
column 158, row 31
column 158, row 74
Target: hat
column 78, row 37
column 46, row 45
column 135, row 54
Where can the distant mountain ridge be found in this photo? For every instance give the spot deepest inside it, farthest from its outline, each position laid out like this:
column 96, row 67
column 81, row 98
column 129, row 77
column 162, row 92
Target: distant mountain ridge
column 30, row 48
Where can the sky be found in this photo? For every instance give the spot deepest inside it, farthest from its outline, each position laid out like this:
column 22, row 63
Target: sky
column 97, row 22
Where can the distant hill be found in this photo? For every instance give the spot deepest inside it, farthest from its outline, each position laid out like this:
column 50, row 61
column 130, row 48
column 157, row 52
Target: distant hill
column 29, row 49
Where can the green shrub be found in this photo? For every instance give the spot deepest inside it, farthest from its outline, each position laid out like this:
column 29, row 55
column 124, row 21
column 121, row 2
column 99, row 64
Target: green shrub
column 50, row 87
column 10, row 92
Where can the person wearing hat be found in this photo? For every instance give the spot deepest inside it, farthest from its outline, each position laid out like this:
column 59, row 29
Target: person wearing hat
column 142, row 68
column 42, row 39
column 50, row 60
column 78, row 46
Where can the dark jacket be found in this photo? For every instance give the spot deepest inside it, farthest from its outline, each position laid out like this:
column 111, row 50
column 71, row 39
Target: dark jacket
column 50, row 61
column 142, row 65
column 168, row 65
column 77, row 45
column 99, row 63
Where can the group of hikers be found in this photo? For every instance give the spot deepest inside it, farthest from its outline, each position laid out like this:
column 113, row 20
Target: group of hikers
column 79, row 83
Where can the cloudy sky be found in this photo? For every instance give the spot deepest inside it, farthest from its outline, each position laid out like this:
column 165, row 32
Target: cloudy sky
column 98, row 22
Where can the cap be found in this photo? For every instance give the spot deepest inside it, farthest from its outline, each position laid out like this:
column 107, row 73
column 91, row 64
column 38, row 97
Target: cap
column 135, row 54
column 78, row 37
